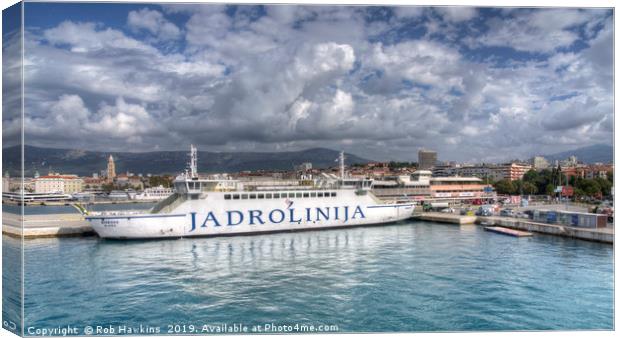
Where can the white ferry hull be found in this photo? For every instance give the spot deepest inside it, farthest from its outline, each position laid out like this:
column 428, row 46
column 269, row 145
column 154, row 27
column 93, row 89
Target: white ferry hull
column 221, row 220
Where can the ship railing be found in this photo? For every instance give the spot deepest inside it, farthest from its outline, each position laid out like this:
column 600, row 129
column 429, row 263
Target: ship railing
column 169, row 204
column 116, row 212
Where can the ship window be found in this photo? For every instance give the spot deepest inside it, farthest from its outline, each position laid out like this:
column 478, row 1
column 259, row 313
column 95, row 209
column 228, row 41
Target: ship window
column 267, row 195
column 306, row 194
column 333, row 194
column 298, row 195
column 261, row 196
column 252, row 196
column 244, row 196
column 227, row 196
column 312, row 194
column 291, row 194
column 276, row 195
column 235, row 197
column 320, row 194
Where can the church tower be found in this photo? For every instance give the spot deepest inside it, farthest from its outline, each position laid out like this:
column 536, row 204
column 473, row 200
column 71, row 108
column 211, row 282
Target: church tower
column 111, row 168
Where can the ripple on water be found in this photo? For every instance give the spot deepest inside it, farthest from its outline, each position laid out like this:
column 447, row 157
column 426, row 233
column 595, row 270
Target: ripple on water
column 406, row 277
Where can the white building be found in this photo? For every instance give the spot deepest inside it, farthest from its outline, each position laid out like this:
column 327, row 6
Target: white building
column 56, row 183
column 539, row 163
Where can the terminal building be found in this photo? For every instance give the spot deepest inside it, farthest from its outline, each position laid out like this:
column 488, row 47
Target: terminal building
column 421, row 186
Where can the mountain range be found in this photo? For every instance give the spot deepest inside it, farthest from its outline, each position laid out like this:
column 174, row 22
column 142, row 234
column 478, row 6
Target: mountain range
column 591, row 154
column 84, row 163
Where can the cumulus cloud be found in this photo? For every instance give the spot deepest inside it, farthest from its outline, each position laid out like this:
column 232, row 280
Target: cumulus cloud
column 540, row 30
column 153, row 22
column 374, row 81
column 457, row 14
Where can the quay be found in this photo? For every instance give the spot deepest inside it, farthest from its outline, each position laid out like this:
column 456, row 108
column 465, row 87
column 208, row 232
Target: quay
column 603, row 235
column 48, row 225
column 509, row 232
column 442, row 217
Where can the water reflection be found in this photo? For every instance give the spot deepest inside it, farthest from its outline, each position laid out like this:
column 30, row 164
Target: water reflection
column 414, row 276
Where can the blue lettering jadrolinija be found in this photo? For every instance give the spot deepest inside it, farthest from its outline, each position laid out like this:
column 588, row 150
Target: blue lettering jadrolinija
column 275, row 216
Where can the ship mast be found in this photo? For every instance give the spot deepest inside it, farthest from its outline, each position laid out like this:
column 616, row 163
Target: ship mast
column 342, row 165
column 193, row 162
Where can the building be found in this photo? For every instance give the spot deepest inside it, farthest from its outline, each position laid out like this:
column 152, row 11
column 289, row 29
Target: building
column 460, row 188
column 306, row 166
column 598, row 171
column 57, row 183
column 111, row 173
column 426, row 159
column 6, row 182
column 539, row 163
column 512, row 171
column 93, row 182
column 571, row 161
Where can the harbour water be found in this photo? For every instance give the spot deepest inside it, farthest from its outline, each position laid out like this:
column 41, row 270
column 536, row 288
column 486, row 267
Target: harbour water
column 67, row 209
column 412, row 276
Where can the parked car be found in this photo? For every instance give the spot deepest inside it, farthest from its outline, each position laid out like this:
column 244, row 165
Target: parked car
column 484, row 212
column 448, row 210
column 521, row 215
column 507, row 213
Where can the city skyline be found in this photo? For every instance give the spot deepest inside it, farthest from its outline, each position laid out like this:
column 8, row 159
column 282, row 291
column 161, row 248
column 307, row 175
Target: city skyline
column 474, row 84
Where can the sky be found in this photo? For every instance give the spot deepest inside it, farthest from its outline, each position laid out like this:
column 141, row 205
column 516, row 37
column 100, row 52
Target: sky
column 474, row 84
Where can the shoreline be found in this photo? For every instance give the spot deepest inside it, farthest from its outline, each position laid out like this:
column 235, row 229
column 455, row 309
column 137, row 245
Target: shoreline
column 74, row 225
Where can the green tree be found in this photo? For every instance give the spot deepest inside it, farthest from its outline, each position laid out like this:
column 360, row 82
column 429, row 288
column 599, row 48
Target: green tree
column 529, row 188
column 505, row 187
column 605, row 186
column 531, row 176
column 165, row 181
column 550, row 189
column 589, row 187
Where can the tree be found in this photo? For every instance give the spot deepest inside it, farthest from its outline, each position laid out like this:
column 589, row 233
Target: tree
column 165, row 181
column 505, row 187
column 529, row 188
column 589, row 187
column 531, row 176
column 605, row 185
column 550, row 189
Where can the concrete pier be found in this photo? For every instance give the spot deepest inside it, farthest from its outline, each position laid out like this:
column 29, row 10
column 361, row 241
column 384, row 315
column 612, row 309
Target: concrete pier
column 443, row 217
column 603, row 235
column 509, row 232
column 51, row 225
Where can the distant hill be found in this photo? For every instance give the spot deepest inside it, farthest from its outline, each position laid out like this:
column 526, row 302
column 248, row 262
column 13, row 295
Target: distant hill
column 84, row 163
column 591, row 154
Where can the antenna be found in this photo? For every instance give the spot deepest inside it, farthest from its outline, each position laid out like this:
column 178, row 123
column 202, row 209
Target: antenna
column 342, row 165
column 193, row 163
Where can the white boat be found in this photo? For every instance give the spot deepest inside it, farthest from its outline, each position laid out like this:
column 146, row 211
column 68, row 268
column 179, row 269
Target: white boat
column 154, row 193
column 216, row 207
column 118, row 195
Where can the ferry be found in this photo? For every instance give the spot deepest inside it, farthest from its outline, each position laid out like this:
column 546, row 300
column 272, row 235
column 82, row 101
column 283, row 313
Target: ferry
column 219, row 207
column 154, row 194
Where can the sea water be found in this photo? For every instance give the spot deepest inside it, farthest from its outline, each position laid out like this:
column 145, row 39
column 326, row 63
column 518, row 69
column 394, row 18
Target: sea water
column 411, row 276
